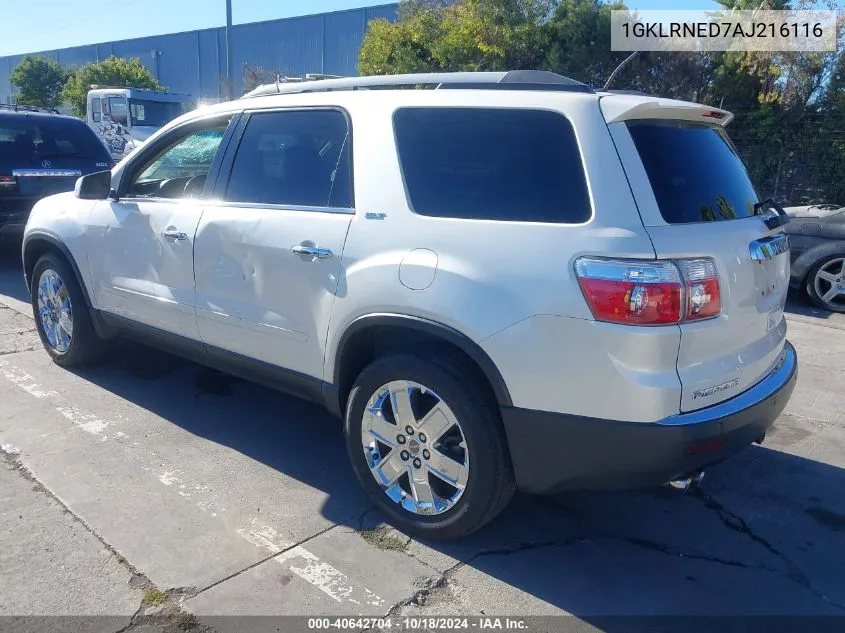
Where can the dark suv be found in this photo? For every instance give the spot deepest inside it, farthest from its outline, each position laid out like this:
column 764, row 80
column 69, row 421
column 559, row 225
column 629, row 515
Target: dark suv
column 41, row 153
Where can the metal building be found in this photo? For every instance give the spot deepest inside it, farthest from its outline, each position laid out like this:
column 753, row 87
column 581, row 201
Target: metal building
column 195, row 61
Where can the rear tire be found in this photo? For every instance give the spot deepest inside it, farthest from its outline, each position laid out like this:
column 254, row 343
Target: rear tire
column 61, row 315
column 826, row 276
column 473, row 436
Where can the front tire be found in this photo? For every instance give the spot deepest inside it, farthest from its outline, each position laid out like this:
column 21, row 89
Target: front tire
column 61, row 314
column 826, row 283
column 427, row 445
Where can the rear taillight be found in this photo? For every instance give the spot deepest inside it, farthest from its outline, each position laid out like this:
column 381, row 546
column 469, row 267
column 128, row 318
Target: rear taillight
column 702, row 288
column 639, row 292
column 7, row 181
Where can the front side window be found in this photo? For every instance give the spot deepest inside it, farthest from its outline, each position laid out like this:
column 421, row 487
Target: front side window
column 117, row 108
column 180, row 169
column 694, row 171
column 293, row 158
column 502, row 164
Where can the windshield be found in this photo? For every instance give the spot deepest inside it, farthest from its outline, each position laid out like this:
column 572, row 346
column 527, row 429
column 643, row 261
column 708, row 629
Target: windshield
column 153, row 113
column 694, row 171
column 28, row 140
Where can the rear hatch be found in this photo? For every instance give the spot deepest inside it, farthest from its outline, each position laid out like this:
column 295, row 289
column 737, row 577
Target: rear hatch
column 42, row 155
column 697, row 201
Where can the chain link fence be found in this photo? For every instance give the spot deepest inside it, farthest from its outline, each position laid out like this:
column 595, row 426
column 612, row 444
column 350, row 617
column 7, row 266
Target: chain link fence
column 794, row 158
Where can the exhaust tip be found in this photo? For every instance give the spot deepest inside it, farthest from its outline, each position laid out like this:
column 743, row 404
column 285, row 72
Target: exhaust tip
column 685, row 484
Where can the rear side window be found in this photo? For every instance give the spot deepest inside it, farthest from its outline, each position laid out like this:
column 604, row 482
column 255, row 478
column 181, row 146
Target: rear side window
column 492, row 164
column 29, row 140
column 694, row 171
column 293, row 158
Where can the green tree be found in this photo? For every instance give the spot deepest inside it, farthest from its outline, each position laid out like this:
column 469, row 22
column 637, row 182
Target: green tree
column 472, row 35
column 39, row 82
column 578, row 37
column 114, row 71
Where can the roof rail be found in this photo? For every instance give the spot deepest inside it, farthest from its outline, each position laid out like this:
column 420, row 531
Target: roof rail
column 19, row 107
column 317, row 76
column 639, row 93
column 512, row 80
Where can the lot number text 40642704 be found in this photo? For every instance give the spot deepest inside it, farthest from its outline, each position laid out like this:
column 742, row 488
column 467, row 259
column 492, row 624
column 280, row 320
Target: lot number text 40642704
column 429, row 623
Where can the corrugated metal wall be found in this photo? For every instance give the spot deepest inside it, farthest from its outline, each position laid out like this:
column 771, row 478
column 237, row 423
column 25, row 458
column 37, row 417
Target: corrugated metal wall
column 195, row 61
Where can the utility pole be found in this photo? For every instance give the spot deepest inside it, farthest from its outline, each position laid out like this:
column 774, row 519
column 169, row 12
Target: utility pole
column 229, row 69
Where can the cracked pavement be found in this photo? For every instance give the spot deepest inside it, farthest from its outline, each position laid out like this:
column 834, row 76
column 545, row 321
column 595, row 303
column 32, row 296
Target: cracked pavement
column 148, row 472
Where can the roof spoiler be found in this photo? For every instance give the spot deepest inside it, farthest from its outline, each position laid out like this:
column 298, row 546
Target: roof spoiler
column 626, row 107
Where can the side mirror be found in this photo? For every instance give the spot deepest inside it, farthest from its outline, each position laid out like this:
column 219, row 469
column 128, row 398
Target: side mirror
column 95, row 186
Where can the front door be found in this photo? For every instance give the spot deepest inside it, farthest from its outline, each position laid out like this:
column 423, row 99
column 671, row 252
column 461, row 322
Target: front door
column 144, row 241
column 268, row 255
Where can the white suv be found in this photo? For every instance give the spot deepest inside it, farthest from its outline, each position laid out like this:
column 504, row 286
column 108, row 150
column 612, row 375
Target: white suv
column 507, row 280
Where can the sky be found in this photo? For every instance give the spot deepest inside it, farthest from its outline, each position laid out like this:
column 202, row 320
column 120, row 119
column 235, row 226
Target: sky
column 51, row 24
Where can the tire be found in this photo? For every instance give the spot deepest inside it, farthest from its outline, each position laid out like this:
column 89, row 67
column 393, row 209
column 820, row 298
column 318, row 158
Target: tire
column 489, row 480
column 815, row 287
column 83, row 346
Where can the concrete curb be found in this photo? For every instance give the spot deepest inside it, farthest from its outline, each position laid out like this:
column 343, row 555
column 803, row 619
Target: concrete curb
column 17, row 305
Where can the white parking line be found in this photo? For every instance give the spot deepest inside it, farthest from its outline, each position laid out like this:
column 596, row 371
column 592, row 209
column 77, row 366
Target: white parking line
column 326, row 578
column 88, row 422
column 25, row 381
column 262, row 535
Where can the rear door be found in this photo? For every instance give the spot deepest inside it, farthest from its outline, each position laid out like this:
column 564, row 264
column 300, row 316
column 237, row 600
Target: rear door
column 696, row 200
column 268, row 248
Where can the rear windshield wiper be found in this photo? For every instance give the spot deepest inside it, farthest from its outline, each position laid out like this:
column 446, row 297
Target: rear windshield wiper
column 773, row 221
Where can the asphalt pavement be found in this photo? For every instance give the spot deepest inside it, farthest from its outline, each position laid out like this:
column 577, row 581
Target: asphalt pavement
column 149, row 487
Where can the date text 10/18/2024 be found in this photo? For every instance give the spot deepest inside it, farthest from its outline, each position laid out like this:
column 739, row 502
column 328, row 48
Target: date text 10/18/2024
column 418, row 623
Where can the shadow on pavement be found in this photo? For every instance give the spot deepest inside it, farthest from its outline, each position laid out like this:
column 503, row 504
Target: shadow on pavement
column 765, row 534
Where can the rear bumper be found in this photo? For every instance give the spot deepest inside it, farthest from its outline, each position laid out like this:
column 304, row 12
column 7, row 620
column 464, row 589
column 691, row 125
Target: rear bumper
column 553, row 452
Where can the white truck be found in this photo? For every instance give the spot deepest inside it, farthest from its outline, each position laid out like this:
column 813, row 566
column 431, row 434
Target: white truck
column 124, row 118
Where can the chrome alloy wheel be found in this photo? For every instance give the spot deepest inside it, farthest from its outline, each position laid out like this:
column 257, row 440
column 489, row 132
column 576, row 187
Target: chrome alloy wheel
column 829, row 283
column 415, row 447
column 55, row 310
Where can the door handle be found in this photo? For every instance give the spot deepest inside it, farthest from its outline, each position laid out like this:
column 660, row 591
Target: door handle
column 174, row 235
column 306, row 250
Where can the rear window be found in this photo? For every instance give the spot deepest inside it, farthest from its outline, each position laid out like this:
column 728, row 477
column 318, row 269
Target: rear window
column 492, row 164
column 29, row 140
column 695, row 173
